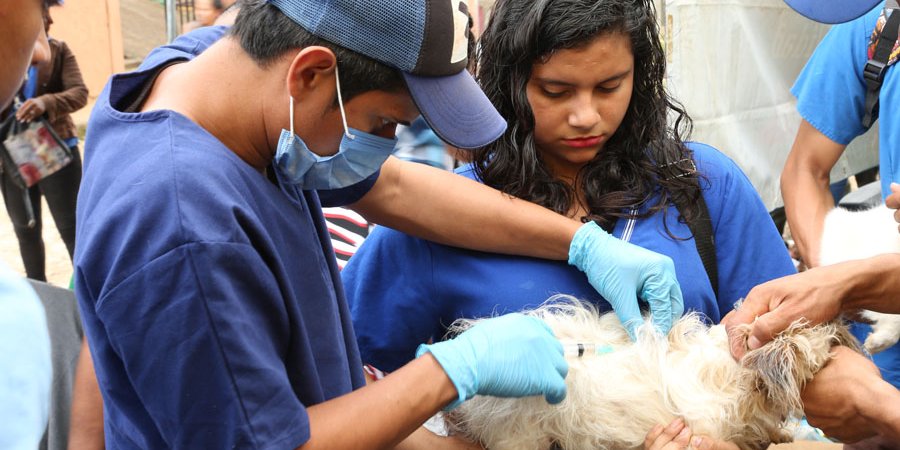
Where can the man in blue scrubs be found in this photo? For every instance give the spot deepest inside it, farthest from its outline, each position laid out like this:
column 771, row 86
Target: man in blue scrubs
column 831, row 98
column 848, row 399
column 211, row 302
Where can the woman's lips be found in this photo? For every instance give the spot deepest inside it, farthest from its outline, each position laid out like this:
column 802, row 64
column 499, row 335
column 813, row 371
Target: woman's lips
column 590, row 141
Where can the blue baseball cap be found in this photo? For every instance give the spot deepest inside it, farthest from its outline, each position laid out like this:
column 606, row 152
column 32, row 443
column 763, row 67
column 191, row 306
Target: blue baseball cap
column 832, row 11
column 427, row 40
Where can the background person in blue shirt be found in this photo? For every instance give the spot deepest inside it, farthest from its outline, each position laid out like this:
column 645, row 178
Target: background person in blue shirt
column 581, row 82
column 211, row 301
column 831, row 94
column 847, row 399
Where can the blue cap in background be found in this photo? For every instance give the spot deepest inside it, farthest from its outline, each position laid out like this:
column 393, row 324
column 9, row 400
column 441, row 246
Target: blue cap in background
column 832, row 11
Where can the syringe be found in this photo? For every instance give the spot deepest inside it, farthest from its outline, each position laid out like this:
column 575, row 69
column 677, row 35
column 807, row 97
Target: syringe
column 579, row 349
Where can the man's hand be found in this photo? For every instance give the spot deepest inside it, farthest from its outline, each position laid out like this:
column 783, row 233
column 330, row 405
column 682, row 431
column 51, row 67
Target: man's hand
column 893, row 201
column 31, row 109
column 507, row 356
column 814, row 295
column 834, row 399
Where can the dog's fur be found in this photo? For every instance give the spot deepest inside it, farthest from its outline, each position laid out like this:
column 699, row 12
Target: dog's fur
column 862, row 234
column 614, row 399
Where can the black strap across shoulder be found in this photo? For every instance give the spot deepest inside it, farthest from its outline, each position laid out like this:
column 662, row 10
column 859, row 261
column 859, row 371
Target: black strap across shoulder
column 701, row 229
column 875, row 68
column 704, row 239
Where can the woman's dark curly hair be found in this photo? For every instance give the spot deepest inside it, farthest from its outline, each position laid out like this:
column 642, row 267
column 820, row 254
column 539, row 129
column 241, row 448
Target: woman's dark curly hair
column 645, row 156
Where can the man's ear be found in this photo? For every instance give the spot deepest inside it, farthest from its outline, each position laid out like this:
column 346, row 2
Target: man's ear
column 311, row 70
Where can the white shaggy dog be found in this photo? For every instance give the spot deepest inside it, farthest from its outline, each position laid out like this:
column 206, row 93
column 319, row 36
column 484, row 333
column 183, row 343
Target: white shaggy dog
column 862, row 234
column 619, row 392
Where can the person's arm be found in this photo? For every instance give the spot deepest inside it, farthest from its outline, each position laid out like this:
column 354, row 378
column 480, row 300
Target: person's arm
column 450, row 209
column 74, row 93
column 71, row 98
column 382, row 413
column 86, row 424
column 443, row 207
column 817, row 295
column 508, row 356
column 848, row 400
column 805, row 188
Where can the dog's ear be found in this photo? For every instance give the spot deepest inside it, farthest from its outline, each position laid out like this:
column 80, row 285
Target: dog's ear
column 781, row 368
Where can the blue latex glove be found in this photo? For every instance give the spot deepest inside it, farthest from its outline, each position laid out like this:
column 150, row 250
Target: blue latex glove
column 508, row 356
column 622, row 272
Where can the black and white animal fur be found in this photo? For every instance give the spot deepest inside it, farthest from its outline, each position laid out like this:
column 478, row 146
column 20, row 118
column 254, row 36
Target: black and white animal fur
column 862, row 234
column 615, row 398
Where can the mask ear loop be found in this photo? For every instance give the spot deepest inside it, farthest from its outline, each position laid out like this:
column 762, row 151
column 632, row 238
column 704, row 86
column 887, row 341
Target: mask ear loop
column 337, row 78
column 291, row 109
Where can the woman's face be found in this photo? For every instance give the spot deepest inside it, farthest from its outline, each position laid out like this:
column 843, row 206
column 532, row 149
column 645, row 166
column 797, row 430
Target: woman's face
column 579, row 98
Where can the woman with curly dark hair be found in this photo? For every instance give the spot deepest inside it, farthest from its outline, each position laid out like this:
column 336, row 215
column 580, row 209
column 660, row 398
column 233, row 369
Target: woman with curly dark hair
column 594, row 135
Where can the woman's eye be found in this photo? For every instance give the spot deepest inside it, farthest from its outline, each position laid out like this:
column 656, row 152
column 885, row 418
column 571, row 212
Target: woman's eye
column 552, row 93
column 609, row 88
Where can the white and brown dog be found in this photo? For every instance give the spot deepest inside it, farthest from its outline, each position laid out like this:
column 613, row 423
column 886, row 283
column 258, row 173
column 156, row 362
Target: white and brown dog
column 618, row 392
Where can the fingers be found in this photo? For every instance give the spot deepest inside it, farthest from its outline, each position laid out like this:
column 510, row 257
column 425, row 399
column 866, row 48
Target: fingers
column 629, row 314
column 893, row 201
column 556, row 391
column 705, row 443
column 674, row 436
column 665, row 299
column 27, row 112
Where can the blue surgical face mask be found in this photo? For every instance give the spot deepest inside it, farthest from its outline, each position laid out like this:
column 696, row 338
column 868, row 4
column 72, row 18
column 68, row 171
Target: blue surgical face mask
column 359, row 156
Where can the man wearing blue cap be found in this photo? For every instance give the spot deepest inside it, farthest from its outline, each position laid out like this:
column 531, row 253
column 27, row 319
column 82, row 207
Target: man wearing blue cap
column 203, row 268
column 848, row 398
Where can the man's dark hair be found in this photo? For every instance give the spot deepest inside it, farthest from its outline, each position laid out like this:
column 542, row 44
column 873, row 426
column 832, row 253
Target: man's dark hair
column 266, row 34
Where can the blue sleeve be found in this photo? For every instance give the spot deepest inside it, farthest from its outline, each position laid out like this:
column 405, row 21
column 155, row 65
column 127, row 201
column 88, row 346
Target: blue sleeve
column 749, row 249
column 830, row 91
column 25, row 367
column 185, row 46
column 349, row 194
column 390, row 278
column 212, row 306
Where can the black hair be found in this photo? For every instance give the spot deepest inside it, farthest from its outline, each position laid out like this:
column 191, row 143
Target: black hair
column 642, row 158
column 266, row 34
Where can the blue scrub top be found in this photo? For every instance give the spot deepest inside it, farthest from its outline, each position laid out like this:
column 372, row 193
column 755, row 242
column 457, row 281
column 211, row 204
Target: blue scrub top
column 831, row 96
column 209, row 292
column 403, row 290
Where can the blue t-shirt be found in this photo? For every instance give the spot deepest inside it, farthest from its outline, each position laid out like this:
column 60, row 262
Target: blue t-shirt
column 403, row 290
column 831, row 96
column 26, row 370
column 209, row 293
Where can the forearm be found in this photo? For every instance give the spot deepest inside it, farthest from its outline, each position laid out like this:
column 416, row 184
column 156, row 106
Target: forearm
column 382, row 414
column 86, row 426
column 871, row 283
column 74, row 94
column 880, row 408
column 805, row 189
column 443, row 207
